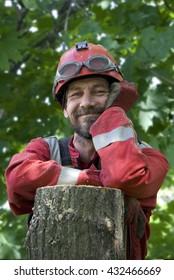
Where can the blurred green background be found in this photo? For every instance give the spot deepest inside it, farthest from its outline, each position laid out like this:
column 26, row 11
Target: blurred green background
column 33, row 35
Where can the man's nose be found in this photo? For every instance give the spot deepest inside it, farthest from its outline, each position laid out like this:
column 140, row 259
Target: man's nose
column 87, row 99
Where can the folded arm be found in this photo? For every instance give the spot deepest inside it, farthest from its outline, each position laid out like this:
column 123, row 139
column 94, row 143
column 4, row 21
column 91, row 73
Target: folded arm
column 139, row 172
column 33, row 168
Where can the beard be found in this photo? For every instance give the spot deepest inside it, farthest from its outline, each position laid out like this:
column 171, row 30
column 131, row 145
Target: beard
column 82, row 127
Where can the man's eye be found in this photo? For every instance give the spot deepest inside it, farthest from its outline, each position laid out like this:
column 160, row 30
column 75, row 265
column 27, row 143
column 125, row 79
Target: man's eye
column 75, row 94
column 101, row 92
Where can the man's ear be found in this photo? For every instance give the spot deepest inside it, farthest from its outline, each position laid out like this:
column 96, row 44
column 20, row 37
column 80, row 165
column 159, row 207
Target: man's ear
column 65, row 113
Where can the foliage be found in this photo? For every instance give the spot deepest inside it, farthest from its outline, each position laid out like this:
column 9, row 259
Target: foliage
column 34, row 34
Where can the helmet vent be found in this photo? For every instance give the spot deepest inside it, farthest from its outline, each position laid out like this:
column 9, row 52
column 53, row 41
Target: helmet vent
column 81, row 45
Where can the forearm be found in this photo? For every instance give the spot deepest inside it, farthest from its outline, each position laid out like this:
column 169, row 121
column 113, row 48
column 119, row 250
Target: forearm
column 138, row 172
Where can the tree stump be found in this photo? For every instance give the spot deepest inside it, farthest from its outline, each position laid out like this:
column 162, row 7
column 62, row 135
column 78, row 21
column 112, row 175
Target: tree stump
column 77, row 223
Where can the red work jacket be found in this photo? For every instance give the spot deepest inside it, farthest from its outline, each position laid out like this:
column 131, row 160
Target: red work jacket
column 136, row 169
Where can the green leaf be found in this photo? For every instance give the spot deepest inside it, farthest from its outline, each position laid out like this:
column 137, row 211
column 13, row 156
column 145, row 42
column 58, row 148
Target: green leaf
column 10, row 47
column 156, row 43
column 30, row 4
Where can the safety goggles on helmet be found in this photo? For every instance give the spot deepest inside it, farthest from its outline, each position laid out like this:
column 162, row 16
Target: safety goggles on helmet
column 96, row 63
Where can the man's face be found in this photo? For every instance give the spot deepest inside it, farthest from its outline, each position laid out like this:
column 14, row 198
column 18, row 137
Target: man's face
column 85, row 102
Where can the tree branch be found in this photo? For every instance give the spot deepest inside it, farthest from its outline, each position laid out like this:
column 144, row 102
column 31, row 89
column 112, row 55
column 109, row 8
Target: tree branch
column 162, row 77
column 21, row 13
column 168, row 6
column 67, row 17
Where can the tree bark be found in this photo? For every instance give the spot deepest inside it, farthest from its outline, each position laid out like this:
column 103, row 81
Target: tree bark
column 77, row 223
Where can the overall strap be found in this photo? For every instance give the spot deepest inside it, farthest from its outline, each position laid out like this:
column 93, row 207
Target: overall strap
column 64, row 151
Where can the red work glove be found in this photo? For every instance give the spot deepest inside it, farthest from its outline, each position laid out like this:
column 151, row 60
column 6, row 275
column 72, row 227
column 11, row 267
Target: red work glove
column 135, row 215
column 122, row 94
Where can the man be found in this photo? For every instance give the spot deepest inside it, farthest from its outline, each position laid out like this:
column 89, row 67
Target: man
column 104, row 150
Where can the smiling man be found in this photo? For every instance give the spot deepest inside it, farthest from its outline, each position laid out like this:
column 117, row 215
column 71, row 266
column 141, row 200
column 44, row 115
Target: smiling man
column 104, row 150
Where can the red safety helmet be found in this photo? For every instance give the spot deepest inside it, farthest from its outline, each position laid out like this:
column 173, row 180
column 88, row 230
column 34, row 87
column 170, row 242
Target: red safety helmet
column 84, row 59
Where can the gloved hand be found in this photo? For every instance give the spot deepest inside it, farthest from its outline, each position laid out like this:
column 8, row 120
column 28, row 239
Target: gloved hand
column 135, row 215
column 122, row 94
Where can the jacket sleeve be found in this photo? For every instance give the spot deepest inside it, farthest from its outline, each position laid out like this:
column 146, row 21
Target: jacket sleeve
column 34, row 168
column 139, row 172
column 26, row 172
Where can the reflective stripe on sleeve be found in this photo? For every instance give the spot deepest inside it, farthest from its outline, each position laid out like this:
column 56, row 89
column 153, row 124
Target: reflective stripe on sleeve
column 119, row 134
column 68, row 176
column 143, row 144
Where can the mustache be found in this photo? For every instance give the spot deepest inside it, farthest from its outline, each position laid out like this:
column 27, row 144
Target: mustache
column 91, row 110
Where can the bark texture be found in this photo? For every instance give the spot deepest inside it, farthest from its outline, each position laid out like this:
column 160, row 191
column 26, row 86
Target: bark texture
column 77, row 223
